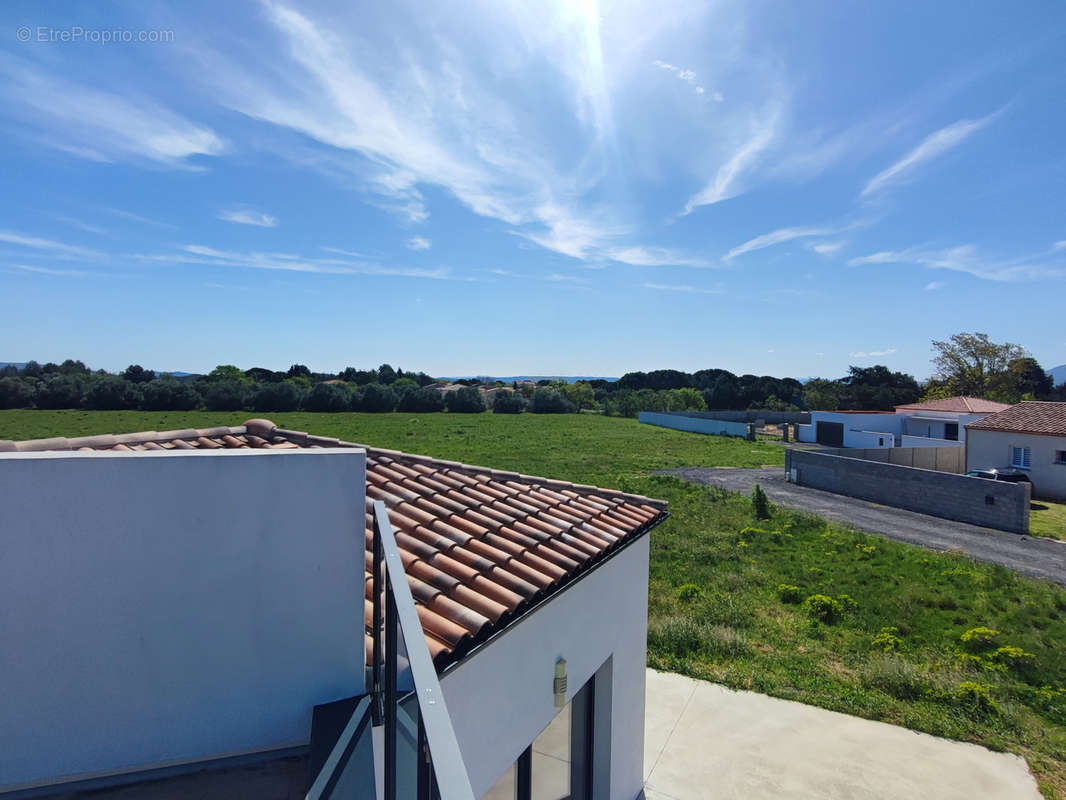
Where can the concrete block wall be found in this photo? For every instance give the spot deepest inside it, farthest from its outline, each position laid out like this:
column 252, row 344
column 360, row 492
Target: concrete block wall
column 992, row 504
column 938, row 459
column 694, row 424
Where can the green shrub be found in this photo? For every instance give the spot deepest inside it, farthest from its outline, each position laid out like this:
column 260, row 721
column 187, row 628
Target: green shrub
column 677, row 636
column 887, row 639
column 787, row 593
column 551, row 401
column 465, row 401
column 976, row 698
column 169, row 394
column 896, row 677
column 375, row 397
column 420, row 401
column 688, row 592
column 227, row 395
column 760, row 504
column 1009, row 657
column 977, row 639
column 327, row 397
column 823, row 608
column 508, row 403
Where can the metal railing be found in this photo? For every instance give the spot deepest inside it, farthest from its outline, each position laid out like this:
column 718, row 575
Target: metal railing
column 422, row 716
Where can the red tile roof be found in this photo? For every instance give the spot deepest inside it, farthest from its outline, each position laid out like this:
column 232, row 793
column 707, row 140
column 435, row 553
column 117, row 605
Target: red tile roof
column 1029, row 416
column 959, row 405
column 479, row 545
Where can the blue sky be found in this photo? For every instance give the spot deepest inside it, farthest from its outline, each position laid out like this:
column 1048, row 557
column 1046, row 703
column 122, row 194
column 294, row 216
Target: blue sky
column 541, row 188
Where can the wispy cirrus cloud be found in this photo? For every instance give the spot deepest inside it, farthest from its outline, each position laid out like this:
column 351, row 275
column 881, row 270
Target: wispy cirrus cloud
column 248, row 216
column 780, row 236
column 682, row 287
column 418, row 243
column 726, row 181
column 874, row 353
column 932, row 146
column 290, row 262
column 654, row 257
column 67, row 273
column 968, row 259
column 1060, row 245
column 50, row 246
column 827, row 248
column 689, row 77
column 932, row 286
column 99, row 125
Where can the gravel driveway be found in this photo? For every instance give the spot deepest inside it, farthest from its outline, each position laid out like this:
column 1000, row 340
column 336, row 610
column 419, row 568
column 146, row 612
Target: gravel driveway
column 1035, row 557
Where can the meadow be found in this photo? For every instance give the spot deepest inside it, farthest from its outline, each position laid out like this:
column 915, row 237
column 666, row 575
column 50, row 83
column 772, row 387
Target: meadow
column 790, row 606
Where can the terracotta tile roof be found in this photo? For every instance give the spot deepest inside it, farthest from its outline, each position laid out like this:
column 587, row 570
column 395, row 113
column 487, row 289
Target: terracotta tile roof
column 959, row 405
column 479, row 546
column 1029, row 416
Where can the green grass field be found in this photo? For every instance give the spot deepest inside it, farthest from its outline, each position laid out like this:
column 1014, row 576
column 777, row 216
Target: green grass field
column 728, row 593
column 1047, row 519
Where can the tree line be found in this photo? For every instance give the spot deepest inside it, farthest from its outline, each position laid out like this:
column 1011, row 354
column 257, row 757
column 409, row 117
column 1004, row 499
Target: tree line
column 966, row 364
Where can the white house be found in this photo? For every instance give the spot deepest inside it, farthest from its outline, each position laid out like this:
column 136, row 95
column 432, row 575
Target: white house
column 935, row 423
column 178, row 607
column 1030, row 436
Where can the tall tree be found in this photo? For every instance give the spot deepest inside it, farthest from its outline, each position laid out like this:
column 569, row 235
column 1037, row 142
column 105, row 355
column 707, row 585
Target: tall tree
column 967, row 361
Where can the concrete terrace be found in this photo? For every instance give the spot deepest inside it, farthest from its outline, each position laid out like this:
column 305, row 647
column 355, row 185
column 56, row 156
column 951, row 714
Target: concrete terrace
column 705, row 741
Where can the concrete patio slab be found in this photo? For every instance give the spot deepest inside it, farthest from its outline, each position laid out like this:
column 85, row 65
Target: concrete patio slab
column 705, row 741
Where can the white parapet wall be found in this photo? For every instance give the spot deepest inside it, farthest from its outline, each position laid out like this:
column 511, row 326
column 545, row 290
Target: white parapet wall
column 167, row 607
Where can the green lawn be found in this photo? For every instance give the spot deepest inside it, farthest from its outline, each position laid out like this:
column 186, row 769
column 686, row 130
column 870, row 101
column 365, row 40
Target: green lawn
column 727, row 591
column 1047, row 519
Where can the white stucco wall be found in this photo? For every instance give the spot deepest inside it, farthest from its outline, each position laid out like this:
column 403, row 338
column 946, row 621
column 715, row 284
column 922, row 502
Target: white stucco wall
column 501, row 697
column 860, row 430
column 173, row 606
column 992, row 449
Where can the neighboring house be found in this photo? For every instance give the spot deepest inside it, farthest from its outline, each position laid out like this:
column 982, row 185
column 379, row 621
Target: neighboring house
column 241, row 620
column 944, row 419
column 1030, row 436
column 935, row 423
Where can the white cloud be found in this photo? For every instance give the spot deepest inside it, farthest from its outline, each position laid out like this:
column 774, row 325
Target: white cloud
column 118, row 212
column 81, row 226
column 72, row 273
column 418, row 243
column 724, row 185
column 689, row 77
column 827, row 248
column 48, row 245
column 934, row 145
column 685, row 288
column 966, row 258
column 874, row 353
column 210, row 256
column 247, row 216
column 779, row 236
column 99, row 125
column 654, row 257
column 932, row 286
column 1060, row 245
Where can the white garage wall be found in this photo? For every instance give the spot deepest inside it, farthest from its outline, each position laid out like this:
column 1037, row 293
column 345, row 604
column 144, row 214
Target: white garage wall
column 174, row 606
column 501, row 697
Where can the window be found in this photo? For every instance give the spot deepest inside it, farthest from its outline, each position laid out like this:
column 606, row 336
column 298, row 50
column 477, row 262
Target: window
column 1060, row 456
column 951, row 431
column 1021, row 457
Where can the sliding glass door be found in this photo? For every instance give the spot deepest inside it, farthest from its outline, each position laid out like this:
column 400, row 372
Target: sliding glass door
column 558, row 763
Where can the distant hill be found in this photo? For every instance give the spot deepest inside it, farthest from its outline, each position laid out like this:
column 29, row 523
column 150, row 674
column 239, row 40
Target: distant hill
column 18, row 364
column 534, row 378
column 1058, row 374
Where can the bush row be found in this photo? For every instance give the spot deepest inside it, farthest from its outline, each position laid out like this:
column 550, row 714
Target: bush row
column 115, row 393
